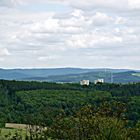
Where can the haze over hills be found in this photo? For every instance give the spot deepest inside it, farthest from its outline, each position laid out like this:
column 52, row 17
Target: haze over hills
column 116, row 77
column 71, row 74
column 19, row 74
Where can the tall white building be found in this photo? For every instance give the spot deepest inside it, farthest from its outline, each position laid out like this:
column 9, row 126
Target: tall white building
column 99, row 81
column 84, row 82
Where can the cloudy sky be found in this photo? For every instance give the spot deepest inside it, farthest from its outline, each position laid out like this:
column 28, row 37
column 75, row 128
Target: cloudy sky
column 70, row 33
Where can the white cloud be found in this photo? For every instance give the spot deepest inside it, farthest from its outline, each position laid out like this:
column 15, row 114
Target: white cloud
column 101, row 19
column 1, row 59
column 11, row 3
column 134, row 4
column 93, row 40
column 47, row 58
column 116, row 4
column 49, row 25
column 77, row 13
column 4, row 52
column 92, row 28
column 120, row 20
column 113, row 4
column 99, row 4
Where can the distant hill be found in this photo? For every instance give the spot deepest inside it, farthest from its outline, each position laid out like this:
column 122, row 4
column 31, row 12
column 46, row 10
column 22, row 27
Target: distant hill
column 71, row 74
column 121, row 77
column 18, row 74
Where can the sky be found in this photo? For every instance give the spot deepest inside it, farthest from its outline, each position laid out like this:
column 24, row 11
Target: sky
column 69, row 33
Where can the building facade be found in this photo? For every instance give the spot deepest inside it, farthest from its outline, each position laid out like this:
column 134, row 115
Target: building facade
column 99, row 81
column 84, row 82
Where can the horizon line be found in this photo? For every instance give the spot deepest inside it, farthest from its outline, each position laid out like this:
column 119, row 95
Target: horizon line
column 28, row 68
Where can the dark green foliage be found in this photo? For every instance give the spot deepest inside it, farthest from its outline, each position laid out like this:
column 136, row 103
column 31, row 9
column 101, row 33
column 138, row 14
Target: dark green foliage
column 92, row 122
column 104, row 122
column 39, row 103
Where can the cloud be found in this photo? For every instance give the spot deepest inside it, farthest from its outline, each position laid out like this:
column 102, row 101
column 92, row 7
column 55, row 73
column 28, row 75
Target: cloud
column 134, row 4
column 93, row 40
column 113, row 4
column 93, row 29
column 4, row 52
column 11, row 3
column 89, row 4
column 46, row 58
column 101, row 19
column 82, row 4
column 49, row 25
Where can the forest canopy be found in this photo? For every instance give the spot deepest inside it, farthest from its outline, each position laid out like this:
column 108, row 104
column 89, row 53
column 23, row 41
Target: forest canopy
column 75, row 106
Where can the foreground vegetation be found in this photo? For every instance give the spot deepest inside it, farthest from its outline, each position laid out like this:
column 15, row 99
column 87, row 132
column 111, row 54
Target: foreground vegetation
column 70, row 111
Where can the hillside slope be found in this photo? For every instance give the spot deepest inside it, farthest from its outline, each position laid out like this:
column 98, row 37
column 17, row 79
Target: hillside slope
column 70, row 75
column 121, row 77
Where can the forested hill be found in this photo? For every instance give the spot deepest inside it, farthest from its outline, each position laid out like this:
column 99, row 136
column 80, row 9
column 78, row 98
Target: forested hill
column 121, row 77
column 19, row 98
column 105, row 109
column 18, row 74
column 71, row 75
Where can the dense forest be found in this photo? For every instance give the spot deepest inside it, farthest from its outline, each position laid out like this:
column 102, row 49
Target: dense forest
column 72, row 111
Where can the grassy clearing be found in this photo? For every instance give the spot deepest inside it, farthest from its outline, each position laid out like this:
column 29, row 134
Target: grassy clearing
column 5, row 133
column 8, row 134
